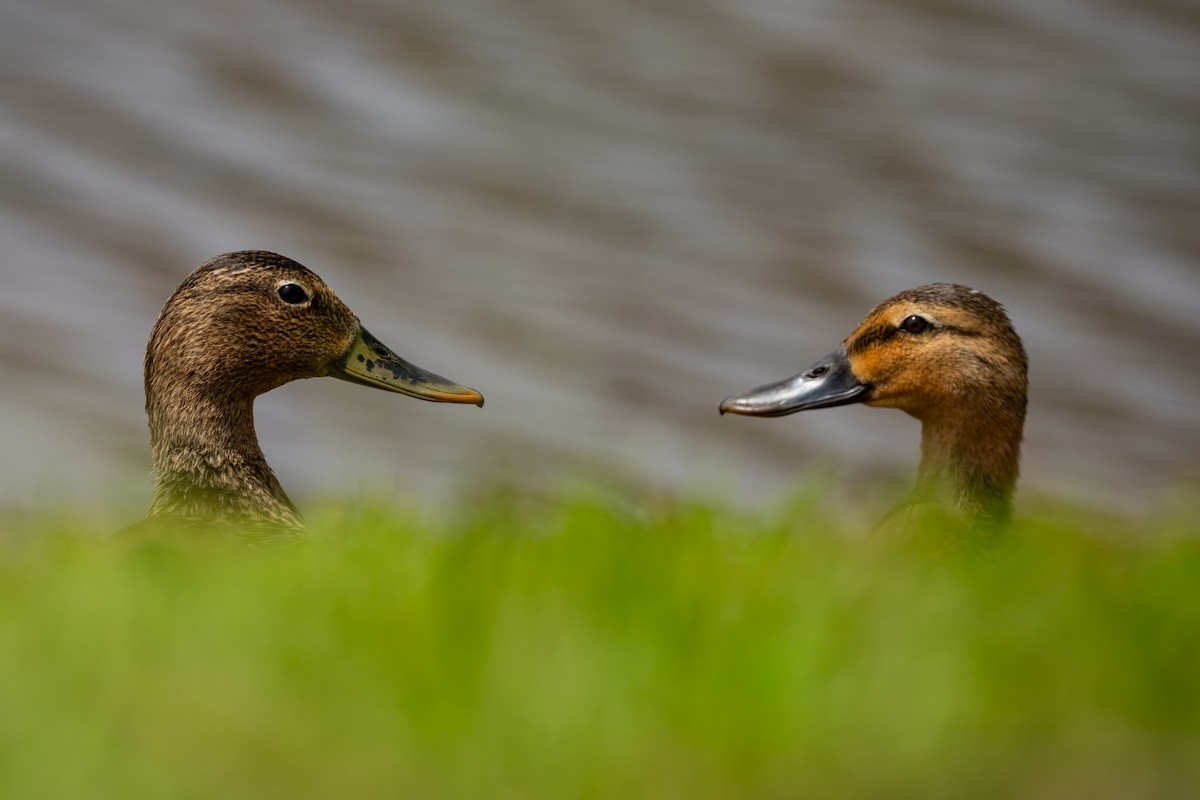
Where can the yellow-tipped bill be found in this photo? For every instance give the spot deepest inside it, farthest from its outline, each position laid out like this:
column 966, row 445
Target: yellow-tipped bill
column 371, row 363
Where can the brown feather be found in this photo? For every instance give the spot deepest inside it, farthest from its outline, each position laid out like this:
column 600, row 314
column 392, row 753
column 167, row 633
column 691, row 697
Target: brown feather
column 223, row 338
column 965, row 378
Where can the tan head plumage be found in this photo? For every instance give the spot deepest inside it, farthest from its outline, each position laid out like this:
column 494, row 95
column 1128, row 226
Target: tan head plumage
column 949, row 356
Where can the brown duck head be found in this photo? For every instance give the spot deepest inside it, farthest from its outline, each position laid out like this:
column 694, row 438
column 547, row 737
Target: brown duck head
column 946, row 354
column 240, row 325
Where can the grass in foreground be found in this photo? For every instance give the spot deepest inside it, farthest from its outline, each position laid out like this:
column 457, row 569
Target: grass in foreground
column 602, row 648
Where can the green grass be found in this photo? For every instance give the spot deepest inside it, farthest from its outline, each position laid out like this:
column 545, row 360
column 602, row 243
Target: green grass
column 602, row 647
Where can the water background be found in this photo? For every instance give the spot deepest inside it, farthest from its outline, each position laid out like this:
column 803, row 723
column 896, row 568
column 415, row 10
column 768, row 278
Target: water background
column 606, row 217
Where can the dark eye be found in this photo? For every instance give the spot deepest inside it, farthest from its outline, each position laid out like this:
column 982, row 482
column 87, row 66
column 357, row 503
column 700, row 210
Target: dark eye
column 293, row 294
column 914, row 324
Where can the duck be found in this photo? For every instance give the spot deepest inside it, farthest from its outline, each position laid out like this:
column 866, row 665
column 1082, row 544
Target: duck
column 240, row 325
column 949, row 356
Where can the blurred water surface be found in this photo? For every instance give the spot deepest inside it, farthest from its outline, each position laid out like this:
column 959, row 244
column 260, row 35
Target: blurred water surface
column 606, row 217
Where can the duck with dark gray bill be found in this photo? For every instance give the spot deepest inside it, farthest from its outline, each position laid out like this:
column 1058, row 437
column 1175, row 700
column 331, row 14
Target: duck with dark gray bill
column 240, row 325
column 947, row 355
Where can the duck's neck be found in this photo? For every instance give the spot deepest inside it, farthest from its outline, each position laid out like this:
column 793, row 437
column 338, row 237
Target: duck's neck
column 207, row 461
column 970, row 463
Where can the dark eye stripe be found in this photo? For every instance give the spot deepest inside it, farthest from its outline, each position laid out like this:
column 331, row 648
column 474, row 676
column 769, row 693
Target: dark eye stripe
column 871, row 337
column 884, row 332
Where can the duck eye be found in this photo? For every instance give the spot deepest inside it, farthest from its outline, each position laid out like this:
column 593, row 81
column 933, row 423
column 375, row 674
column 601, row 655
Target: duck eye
column 914, row 324
column 293, row 294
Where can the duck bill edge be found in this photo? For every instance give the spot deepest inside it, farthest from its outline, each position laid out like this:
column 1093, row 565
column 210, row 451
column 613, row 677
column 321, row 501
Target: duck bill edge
column 828, row 382
column 370, row 362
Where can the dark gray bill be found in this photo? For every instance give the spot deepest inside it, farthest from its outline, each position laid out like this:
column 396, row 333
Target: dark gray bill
column 371, row 363
column 828, row 382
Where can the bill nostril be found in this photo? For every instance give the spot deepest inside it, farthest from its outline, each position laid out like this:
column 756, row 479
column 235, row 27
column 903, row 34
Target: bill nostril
column 817, row 372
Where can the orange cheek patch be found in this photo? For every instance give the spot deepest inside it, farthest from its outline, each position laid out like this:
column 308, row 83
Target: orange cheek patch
column 873, row 366
column 888, row 370
column 865, row 365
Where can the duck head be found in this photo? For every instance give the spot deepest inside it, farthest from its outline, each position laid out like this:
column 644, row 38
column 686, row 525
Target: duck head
column 929, row 351
column 248, row 322
column 240, row 325
column 945, row 354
